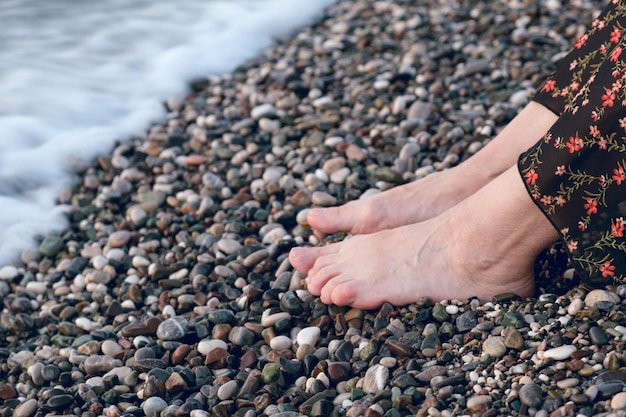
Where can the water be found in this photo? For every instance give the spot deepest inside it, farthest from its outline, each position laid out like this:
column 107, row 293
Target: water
column 77, row 75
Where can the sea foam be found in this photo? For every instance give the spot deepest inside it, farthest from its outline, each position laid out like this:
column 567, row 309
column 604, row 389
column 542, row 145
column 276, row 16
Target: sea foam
column 77, row 76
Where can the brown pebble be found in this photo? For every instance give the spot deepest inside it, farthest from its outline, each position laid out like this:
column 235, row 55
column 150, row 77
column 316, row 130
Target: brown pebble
column 248, row 360
column 7, row 392
column 180, row 353
column 216, row 358
column 142, row 328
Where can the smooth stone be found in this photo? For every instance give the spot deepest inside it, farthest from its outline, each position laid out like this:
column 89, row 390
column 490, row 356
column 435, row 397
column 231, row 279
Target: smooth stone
column 8, row 272
column 241, row 336
column 119, row 238
column 494, row 346
column 206, row 346
column 308, row 336
column 609, row 383
column 618, row 401
column 375, row 379
column 175, row 383
column 439, row 313
column 270, row 372
column 228, row 391
column 597, row 298
column 50, row 246
column 280, row 343
column 513, row 339
column 100, row 364
column 172, row 329
column 531, row 395
column 598, row 336
column 110, row 348
column 153, row 406
column 321, row 198
column 466, row 321
column 222, row 317
column 479, row 403
column 60, row 402
column 429, row 373
column 26, row 409
column 559, row 353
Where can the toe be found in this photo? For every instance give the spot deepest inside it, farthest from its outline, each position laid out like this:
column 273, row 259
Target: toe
column 303, row 259
column 330, row 220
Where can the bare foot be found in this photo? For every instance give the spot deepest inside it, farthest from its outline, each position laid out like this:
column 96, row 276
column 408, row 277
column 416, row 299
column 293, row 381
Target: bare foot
column 436, row 193
column 484, row 246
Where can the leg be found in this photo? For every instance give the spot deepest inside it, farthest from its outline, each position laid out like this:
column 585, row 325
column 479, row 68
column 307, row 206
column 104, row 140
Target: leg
column 436, row 193
column 485, row 245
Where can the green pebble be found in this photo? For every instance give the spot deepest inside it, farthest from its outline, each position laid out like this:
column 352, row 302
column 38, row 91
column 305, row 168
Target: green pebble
column 439, row 313
column 270, row 372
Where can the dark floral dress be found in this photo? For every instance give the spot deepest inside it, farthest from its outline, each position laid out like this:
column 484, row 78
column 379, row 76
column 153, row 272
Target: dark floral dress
column 576, row 174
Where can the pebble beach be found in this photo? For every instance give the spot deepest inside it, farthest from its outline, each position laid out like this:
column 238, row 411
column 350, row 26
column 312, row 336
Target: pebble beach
column 170, row 294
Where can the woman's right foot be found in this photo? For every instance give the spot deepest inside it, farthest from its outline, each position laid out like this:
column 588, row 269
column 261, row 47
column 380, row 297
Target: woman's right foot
column 436, row 193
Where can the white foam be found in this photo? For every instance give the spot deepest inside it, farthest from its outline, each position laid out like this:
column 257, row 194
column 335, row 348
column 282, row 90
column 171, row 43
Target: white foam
column 76, row 76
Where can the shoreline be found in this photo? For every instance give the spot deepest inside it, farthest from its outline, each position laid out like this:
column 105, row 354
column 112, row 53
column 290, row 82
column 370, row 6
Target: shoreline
column 170, row 293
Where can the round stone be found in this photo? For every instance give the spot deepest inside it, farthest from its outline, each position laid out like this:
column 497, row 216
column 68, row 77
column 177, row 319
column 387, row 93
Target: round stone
column 600, row 298
column 280, row 343
column 172, row 329
column 375, row 379
column 228, row 391
column 308, row 336
column 119, row 238
column 618, row 401
column 153, row 406
column 494, row 346
column 531, row 395
column 26, row 409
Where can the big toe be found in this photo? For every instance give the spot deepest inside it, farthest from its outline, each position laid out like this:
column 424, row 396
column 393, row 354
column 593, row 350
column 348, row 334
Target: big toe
column 303, row 258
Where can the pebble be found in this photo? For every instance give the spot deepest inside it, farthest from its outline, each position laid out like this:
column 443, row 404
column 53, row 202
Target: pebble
column 559, row 353
column 494, row 346
column 308, row 336
column 531, row 395
column 171, row 293
column 375, row 379
column 599, row 298
column 172, row 329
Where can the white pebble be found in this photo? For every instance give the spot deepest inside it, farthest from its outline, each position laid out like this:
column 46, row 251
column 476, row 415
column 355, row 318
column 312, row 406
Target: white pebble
column 559, row 353
column 308, row 336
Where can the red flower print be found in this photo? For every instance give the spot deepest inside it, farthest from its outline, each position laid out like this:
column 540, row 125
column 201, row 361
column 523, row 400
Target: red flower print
column 622, row 122
column 579, row 44
column 559, row 201
column 582, row 226
column 594, row 131
column 602, row 180
column 602, row 143
column 617, row 227
column 572, row 245
column 615, row 35
column 573, row 65
column 560, row 170
column 574, row 144
column 549, row 86
column 546, row 199
column 531, row 177
column 607, row 98
column 574, row 86
column 616, row 54
column 595, row 116
column 607, row 269
column 619, row 175
column 591, row 205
